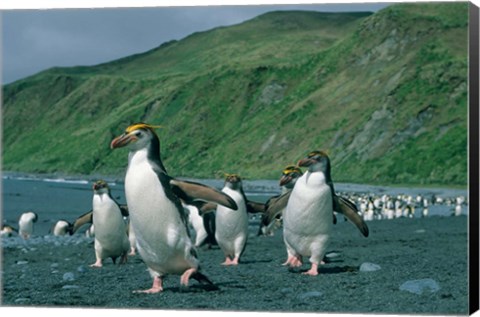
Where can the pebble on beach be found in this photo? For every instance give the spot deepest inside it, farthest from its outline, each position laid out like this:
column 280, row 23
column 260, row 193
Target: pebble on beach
column 420, row 286
column 369, row 267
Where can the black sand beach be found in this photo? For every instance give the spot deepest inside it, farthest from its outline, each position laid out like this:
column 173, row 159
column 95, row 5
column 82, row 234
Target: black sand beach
column 49, row 271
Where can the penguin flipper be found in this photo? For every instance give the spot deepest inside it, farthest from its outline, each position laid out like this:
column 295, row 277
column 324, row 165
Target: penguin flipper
column 190, row 191
column 254, row 207
column 274, row 206
column 206, row 207
column 349, row 210
column 80, row 221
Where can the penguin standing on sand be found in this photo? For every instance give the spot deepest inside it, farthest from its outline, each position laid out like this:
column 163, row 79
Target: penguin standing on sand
column 157, row 216
column 26, row 224
column 232, row 225
column 276, row 205
column 111, row 240
column 308, row 218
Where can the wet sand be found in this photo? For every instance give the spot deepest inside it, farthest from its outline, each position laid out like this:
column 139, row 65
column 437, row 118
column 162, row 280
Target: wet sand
column 49, row 271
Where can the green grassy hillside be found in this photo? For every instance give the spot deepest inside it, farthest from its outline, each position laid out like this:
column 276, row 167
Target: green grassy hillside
column 385, row 94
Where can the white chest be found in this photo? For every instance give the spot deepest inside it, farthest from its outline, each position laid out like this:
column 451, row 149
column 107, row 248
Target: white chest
column 144, row 192
column 310, row 207
column 154, row 217
column 106, row 214
column 231, row 222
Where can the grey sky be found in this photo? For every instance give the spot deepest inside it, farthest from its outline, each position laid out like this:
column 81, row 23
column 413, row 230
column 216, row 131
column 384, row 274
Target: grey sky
column 35, row 40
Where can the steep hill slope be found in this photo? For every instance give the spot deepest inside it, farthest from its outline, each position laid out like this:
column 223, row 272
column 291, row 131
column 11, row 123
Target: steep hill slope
column 384, row 93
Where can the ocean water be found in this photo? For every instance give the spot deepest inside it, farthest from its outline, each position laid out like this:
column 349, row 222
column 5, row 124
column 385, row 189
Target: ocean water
column 60, row 198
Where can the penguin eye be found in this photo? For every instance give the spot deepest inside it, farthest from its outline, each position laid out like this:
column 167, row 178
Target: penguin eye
column 138, row 134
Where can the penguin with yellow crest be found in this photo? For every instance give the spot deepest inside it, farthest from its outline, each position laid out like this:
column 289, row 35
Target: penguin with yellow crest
column 156, row 212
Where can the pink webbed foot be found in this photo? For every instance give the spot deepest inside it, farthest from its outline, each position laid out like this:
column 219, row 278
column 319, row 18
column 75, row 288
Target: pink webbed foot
column 98, row 263
column 228, row 261
column 293, row 261
column 157, row 287
column 235, row 261
column 231, row 262
column 313, row 270
column 186, row 276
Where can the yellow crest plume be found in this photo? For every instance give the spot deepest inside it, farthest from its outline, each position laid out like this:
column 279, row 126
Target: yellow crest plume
column 291, row 169
column 141, row 125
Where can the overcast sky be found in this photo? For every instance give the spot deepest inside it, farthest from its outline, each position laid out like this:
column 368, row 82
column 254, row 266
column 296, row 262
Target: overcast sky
column 34, row 40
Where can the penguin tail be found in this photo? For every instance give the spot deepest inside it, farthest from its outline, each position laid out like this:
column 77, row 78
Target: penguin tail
column 204, row 280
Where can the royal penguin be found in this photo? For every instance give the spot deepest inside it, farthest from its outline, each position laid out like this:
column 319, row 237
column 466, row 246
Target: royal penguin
column 232, row 225
column 87, row 219
column 275, row 205
column 61, row 228
column 308, row 218
column 26, row 224
column 156, row 213
column 8, row 231
column 111, row 240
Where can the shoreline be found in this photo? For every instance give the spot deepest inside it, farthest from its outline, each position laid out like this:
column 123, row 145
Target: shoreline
column 269, row 184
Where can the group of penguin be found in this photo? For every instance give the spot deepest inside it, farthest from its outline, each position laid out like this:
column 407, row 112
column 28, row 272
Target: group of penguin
column 404, row 206
column 160, row 206
column 160, row 209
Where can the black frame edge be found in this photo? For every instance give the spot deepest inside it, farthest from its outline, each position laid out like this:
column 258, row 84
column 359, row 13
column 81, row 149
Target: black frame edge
column 473, row 157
